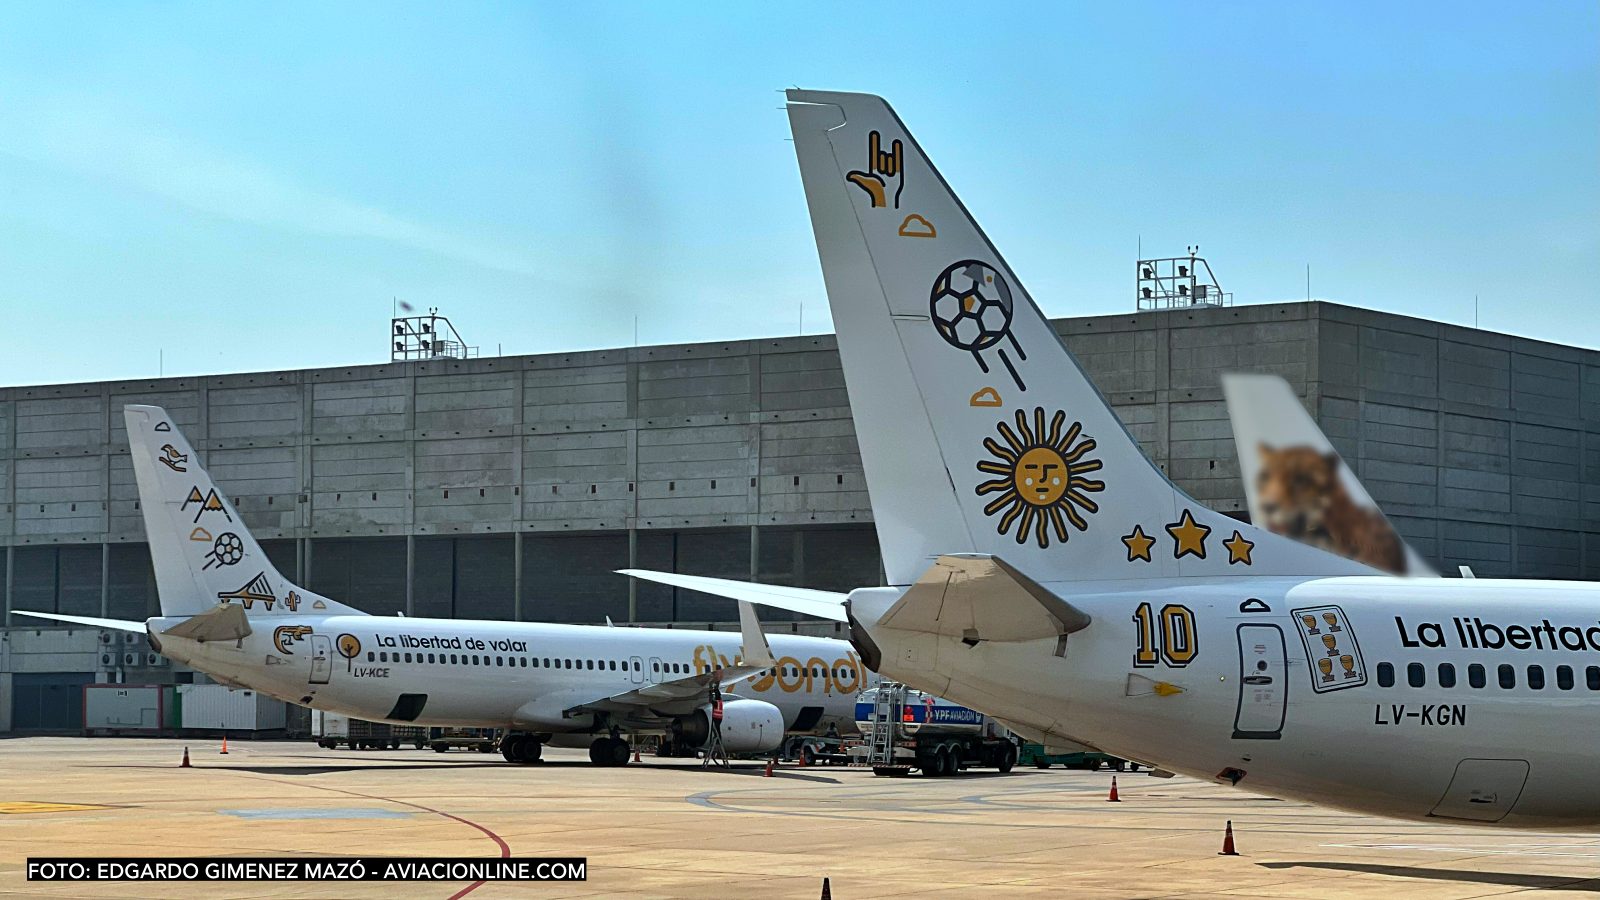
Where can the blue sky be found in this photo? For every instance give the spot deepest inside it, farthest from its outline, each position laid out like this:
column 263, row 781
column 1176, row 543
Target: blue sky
column 246, row 186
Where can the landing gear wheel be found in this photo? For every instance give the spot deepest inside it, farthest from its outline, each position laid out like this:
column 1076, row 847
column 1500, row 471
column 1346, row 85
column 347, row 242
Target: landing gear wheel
column 441, row 748
column 619, row 752
column 520, row 748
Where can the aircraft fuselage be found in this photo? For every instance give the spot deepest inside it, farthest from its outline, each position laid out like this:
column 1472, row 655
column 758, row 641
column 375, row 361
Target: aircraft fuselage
column 512, row 675
column 1475, row 701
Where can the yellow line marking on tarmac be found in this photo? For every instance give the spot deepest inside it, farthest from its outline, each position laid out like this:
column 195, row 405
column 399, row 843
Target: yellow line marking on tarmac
column 14, row 807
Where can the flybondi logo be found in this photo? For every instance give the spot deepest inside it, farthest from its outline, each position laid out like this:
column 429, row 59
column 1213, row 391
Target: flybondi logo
column 842, row 676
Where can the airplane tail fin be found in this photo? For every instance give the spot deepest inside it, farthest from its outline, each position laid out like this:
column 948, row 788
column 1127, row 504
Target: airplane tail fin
column 978, row 431
column 202, row 551
column 1298, row 486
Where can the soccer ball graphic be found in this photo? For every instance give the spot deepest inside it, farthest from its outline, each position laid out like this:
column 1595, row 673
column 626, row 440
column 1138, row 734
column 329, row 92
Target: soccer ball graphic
column 971, row 305
column 227, row 550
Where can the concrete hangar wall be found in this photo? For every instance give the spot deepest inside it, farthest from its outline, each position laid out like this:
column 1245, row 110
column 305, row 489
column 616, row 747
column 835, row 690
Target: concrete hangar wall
column 510, row 487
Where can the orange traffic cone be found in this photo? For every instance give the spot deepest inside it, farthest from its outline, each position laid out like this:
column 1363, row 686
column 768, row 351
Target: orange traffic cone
column 769, row 769
column 224, row 743
column 1113, row 798
column 827, row 890
column 635, row 752
column 185, row 763
column 802, row 756
column 1227, row 842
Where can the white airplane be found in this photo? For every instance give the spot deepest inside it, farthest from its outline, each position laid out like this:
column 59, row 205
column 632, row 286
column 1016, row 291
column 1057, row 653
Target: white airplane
column 1044, row 571
column 228, row 613
column 1297, row 485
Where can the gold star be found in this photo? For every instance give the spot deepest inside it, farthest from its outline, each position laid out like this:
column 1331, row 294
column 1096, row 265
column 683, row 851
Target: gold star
column 1238, row 549
column 1188, row 536
column 1138, row 544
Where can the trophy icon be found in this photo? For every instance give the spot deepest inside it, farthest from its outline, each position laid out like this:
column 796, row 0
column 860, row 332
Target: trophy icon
column 1325, row 666
column 1332, row 620
column 1311, row 623
column 1349, row 664
column 1331, row 643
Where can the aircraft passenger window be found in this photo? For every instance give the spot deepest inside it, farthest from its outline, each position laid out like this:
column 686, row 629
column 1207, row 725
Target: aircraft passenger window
column 475, row 659
column 1536, row 677
column 408, row 657
column 453, row 661
column 383, row 656
column 1508, row 676
column 524, row 662
column 499, row 660
column 1416, row 674
column 638, row 666
column 371, row 657
column 1475, row 676
column 569, row 663
column 655, row 666
column 1592, row 676
column 589, row 664
column 1564, row 677
column 546, row 662
column 1385, row 675
column 1447, row 675
column 613, row 665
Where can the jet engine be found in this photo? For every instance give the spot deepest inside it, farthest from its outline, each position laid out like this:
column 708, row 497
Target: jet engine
column 748, row 726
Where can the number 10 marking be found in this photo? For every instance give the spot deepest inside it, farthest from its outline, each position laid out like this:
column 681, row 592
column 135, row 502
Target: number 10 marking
column 1177, row 642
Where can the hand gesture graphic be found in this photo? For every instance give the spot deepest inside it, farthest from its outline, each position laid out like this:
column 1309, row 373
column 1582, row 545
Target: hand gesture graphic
column 885, row 175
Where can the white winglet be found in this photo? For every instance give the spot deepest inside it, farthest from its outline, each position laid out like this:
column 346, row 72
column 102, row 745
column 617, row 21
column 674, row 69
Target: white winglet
column 822, row 604
column 756, row 651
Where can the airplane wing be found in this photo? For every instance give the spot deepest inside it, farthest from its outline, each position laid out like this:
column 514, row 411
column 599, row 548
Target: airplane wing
column 822, row 604
column 683, row 695
column 90, row 621
column 677, row 697
column 1298, row 486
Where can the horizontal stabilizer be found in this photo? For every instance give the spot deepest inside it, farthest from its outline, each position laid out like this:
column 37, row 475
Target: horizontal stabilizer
column 91, row 621
column 224, row 622
column 822, row 604
column 980, row 598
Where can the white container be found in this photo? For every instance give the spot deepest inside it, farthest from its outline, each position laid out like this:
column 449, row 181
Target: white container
column 127, row 708
column 329, row 725
column 216, row 707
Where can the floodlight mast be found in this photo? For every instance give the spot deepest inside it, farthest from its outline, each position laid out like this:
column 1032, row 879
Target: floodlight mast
column 1177, row 282
column 427, row 336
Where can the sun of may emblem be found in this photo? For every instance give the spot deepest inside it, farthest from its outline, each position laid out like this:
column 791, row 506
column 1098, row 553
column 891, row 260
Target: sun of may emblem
column 1040, row 487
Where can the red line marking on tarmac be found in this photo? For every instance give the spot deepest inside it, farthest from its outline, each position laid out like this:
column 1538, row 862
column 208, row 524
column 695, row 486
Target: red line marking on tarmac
column 505, row 849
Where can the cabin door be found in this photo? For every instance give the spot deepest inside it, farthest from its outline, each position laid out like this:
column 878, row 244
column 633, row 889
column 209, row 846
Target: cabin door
column 321, row 658
column 1263, row 683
